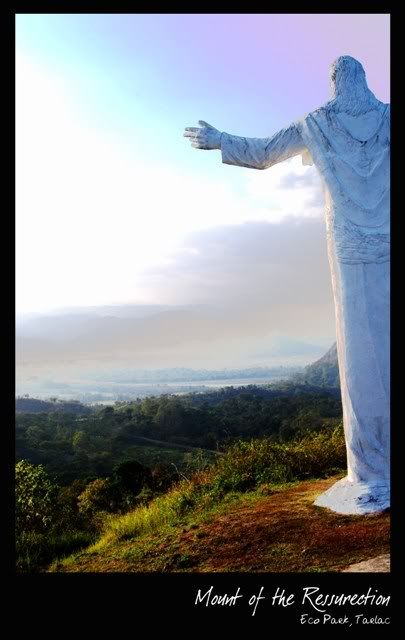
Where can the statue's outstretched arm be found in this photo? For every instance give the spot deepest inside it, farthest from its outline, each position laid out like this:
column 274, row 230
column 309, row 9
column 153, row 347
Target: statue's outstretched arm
column 254, row 153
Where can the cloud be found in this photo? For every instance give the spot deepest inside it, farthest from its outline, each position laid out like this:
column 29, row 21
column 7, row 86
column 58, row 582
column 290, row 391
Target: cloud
column 98, row 223
column 254, row 263
column 237, row 296
column 286, row 190
column 293, row 180
column 93, row 213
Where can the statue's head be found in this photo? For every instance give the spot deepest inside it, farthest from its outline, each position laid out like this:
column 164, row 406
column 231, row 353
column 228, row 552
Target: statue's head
column 349, row 85
column 344, row 73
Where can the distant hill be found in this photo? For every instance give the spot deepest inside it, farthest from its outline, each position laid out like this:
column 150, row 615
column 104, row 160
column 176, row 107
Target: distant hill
column 33, row 405
column 323, row 372
column 138, row 337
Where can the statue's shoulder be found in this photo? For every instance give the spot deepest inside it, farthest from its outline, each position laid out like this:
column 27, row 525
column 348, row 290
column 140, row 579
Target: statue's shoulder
column 385, row 110
column 320, row 112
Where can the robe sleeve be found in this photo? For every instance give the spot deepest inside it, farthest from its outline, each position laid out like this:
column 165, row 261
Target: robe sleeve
column 262, row 153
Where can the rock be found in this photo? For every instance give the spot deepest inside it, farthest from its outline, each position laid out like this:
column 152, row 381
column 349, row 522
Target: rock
column 380, row 564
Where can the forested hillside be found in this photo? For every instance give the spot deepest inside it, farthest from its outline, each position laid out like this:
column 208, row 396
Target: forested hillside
column 26, row 404
column 73, row 471
column 322, row 373
column 160, row 429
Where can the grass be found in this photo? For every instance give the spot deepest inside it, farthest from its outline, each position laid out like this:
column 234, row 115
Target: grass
column 247, row 466
column 35, row 550
column 250, row 532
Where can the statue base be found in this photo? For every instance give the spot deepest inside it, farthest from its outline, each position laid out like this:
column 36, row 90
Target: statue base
column 355, row 498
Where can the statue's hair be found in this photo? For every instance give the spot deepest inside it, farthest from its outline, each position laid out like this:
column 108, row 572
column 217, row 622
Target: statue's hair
column 350, row 92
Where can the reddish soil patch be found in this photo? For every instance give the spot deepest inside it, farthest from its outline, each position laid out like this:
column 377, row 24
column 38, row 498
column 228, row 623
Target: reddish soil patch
column 283, row 532
column 286, row 532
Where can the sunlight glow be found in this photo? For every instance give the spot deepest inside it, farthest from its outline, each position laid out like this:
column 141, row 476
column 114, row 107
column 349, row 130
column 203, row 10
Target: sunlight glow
column 92, row 215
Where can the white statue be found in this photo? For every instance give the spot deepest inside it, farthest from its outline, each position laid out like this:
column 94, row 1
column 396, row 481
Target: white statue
column 348, row 140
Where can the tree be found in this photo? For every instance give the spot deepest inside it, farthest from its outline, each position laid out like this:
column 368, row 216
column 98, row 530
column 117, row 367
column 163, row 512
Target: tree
column 132, row 476
column 97, row 497
column 162, row 476
column 80, row 440
column 170, row 416
column 35, row 497
column 35, row 435
column 69, row 517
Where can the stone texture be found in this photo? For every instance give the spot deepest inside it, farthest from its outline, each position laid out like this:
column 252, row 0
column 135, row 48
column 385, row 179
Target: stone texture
column 350, row 497
column 380, row 564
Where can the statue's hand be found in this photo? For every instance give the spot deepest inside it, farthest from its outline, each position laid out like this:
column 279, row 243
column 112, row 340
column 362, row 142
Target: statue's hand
column 204, row 137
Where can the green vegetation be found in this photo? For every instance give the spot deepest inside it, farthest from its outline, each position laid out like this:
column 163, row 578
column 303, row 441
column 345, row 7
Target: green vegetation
column 248, row 465
column 48, row 522
column 163, row 430
column 34, row 497
column 257, row 465
column 125, row 471
column 322, row 373
column 218, row 481
column 36, row 550
column 256, row 468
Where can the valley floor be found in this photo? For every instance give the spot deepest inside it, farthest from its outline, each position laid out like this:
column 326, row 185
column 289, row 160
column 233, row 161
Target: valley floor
column 283, row 532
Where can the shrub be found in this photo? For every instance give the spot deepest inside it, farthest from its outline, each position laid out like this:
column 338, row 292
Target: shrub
column 35, row 497
column 34, row 550
column 132, row 476
column 260, row 464
column 246, row 465
column 162, row 477
column 69, row 518
column 96, row 497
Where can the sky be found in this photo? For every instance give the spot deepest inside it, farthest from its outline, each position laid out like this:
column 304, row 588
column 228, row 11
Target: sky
column 114, row 207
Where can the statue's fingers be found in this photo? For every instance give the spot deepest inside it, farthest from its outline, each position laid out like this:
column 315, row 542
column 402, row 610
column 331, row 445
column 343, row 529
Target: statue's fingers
column 194, row 138
column 205, row 124
column 192, row 129
column 200, row 137
column 193, row 134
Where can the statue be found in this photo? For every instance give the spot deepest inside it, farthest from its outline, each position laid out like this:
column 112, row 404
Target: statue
column 348, row 141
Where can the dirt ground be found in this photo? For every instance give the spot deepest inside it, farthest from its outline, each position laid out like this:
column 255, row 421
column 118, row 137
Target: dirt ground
column 283, row 532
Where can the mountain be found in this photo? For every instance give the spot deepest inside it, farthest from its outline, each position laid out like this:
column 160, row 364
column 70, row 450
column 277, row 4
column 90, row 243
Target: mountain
column 61, row 346
column 323, row 372
column 33, row 405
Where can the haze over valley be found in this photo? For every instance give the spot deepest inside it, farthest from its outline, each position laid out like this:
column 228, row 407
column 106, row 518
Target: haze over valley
column 104, row 354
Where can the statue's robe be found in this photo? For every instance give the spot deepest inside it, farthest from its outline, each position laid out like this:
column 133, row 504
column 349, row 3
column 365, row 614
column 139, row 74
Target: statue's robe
column 352, row 154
